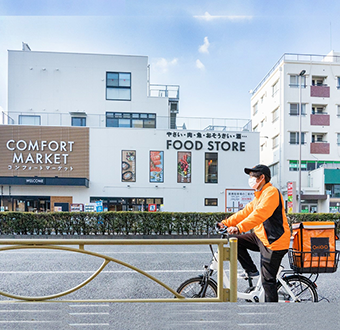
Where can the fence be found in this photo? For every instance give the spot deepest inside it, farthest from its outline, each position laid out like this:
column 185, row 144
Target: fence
column 224, row 254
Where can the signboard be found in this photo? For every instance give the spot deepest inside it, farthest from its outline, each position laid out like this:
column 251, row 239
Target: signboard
column 156, row 166
column 99, row 206
column 237, row 199
column 35, row 181
column 58, row 209
column 152, row 208
column 128, row 166
column 44, row 151
column 75, row 207
column 90, row 207
column 183, row 167
column 291, row 195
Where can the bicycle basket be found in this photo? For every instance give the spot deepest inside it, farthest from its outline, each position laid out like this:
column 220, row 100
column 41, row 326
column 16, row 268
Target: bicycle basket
column 313, row 262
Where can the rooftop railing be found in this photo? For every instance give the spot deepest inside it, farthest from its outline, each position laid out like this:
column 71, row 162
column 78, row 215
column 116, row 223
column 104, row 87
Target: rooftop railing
column 170, row 91
column 291, row 57
column 162, row 122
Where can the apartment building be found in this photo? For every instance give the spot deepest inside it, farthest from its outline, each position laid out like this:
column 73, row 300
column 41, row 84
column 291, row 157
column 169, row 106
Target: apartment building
column 301, row 94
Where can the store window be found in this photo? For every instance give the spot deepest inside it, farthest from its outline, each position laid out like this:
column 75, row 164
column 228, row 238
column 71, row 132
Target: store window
column 211, row 167
column 118, row 86
column 134, row 120
column 78, row 121
column 29, row 120
column 211, row 202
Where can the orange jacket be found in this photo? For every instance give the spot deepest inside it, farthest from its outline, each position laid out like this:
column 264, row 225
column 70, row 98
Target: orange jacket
column 266, row 214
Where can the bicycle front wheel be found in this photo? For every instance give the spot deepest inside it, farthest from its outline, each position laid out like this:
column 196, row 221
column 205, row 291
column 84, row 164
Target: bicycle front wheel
column 197, row 288
column 301, row 287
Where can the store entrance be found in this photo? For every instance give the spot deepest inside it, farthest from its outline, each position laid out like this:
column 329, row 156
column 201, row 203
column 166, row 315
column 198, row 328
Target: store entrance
column 26, row 203
column 128, row 203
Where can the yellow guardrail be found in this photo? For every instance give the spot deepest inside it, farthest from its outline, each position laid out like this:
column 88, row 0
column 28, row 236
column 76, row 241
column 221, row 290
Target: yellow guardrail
column 224, row 254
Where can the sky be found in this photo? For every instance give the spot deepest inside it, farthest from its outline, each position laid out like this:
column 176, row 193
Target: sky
column 216, row 50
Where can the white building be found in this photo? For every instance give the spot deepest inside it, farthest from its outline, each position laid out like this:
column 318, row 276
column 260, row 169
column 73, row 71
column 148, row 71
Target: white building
column 129, row 149
column 275, row 115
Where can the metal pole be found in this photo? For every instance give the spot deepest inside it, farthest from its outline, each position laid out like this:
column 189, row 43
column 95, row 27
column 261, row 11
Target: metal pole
column 233, row 269
column 300, row 110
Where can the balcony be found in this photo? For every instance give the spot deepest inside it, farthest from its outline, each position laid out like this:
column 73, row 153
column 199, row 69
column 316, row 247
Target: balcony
column 170, row 91
column 320, row 120
column 320, row 91
column 320, row 148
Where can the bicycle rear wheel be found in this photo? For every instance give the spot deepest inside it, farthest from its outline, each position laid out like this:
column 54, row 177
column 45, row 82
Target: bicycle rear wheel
column 302, row 288
column 195, row 288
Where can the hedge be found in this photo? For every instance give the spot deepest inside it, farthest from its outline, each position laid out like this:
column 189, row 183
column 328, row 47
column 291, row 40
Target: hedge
column 126, row 223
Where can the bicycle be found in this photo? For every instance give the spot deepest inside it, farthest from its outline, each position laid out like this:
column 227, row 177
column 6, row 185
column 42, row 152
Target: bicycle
column 291, row 286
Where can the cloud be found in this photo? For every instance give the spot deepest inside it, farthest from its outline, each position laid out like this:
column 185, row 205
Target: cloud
column 204, row 48
column 163, row 64
column 207, row 17
column 200, row 65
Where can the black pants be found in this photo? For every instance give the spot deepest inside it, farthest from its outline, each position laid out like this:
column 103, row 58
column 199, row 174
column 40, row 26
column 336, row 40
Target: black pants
column 270, row 262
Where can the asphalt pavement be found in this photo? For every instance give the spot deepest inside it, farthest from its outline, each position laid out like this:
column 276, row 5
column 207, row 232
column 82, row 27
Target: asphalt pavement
column 44, row 272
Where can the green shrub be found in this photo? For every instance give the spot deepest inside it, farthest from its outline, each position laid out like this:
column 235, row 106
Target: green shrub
column 126, row 223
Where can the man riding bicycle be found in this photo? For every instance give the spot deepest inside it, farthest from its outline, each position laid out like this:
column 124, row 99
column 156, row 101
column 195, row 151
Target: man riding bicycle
column 271, row 236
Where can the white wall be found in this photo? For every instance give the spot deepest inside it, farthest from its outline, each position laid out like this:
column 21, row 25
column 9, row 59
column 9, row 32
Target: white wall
column 59, row 83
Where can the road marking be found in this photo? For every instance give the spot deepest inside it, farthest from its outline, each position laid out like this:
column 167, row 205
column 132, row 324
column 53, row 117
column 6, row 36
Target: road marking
column 4, row 322
column 256, row 324
column 89, row 313
column 99, row 305
column 88, row 324
column 92, row 271
column 28, row 311
column 256, row 313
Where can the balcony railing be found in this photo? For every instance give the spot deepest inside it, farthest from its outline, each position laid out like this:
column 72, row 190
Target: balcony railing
column 320, row 91
column 170, row 91
column 320, row 119
column 320, row 148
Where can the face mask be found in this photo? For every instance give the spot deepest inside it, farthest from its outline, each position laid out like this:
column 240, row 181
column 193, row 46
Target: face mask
column 252, row 182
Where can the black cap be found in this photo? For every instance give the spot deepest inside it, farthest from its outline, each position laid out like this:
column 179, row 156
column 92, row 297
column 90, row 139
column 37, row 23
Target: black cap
column 263, row 169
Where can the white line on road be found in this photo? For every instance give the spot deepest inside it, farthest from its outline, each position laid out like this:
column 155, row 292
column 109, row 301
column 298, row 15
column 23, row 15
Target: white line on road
column 88, row 324
column 89, row 313
column 83, row 305
column 28, row 311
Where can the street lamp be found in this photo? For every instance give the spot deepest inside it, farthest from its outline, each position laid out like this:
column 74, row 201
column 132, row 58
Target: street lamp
column 301, row 74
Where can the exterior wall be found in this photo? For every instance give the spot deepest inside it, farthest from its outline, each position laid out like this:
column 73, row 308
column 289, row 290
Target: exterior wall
column 105, row 149
column 327, row 123
column 55, row 84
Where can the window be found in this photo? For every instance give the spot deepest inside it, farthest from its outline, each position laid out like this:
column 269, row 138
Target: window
column 256, row 128
column 29, row 120
column 263, row 146
column 135, row 120
column 255, row 108
column 338, row 84
column 319, row 81
column 318, row 109
column 294, row 138
column 211, row 167
column 294, row 81
column 275, row 88
column 294, row 109
column 275, row 115
column 338, row 111
column 78, row 121
column 275, row 141
column 274, row 169
column 210, row 201
column 263, row 121
column 338, row 138
column 318, row 137
column 118, row 86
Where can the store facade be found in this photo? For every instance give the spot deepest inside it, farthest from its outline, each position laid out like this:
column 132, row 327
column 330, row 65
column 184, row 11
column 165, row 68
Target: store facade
column 127, row 169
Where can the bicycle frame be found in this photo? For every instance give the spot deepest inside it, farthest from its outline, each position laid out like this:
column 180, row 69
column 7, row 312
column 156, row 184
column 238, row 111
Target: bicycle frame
column 257, row 293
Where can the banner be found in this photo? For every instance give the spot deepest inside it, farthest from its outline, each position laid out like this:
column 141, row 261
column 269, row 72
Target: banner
column 128, row 166
column 291, row 197
column 183, row 167
column 237, row 199
column 157, row 166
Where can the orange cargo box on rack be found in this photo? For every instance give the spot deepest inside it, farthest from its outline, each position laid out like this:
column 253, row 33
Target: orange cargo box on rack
column 314, row 246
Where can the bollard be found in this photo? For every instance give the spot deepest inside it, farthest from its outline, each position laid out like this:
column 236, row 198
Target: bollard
column 233, row 269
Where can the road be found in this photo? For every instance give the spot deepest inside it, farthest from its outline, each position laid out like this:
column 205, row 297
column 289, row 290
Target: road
column 44, row 272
